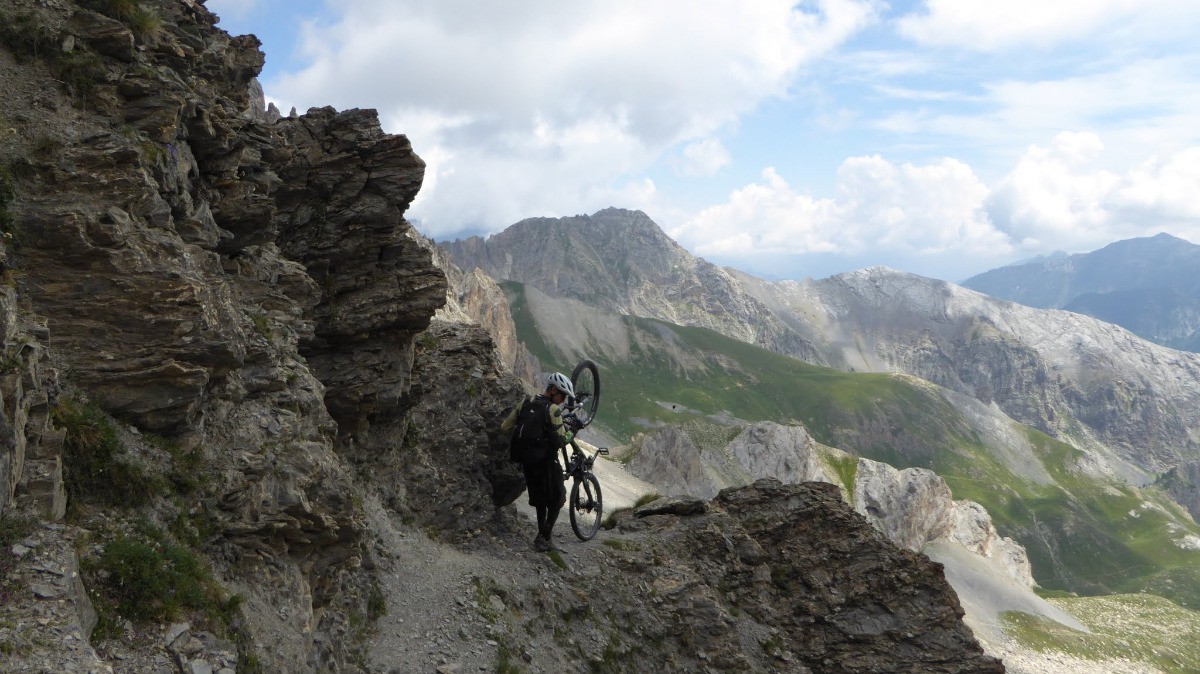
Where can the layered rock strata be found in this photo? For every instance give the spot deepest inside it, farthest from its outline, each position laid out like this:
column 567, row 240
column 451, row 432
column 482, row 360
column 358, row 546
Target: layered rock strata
column 237, row 286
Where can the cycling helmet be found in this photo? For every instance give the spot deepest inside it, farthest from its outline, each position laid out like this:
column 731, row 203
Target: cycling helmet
column 559, row 381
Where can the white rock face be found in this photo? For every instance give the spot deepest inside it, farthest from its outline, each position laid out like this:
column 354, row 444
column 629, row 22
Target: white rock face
column 973, row 529
column 786, row 453
column 911, row 506
column 914, row 509
column 672, row 462
column 1189, row 542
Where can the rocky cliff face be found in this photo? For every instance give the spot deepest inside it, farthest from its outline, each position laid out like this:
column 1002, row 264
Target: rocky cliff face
column 782, row 555
column 243, row 289
column 474, row 297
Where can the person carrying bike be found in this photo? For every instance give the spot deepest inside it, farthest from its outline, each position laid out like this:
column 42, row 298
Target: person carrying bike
column 538, row 433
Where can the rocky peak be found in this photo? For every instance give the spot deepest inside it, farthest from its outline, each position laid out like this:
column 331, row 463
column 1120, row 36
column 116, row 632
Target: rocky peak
column 622, row 262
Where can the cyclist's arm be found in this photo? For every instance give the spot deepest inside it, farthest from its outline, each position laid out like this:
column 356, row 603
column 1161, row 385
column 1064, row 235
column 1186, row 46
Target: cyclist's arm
column 561, row 435
column 511, row 420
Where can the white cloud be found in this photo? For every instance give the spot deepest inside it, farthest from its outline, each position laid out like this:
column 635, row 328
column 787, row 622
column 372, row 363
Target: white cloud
column 1058, row 197
column 937, row 214
column 880, row 206
column 1054, row 197
column 532, row 107
column 1141, row 108
column 985, row 25
column 1162, row 193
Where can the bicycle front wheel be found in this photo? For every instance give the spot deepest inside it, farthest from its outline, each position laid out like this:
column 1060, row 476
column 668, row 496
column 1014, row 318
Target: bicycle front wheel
column 585, row 379
column 587, row 507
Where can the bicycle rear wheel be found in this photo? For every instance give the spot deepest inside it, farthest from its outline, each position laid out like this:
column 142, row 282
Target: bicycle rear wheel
column 587, row 507
column 586, row 381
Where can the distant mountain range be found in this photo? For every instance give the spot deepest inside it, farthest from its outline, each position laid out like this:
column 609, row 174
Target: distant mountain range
column 1150, row 286
column 1075, row 378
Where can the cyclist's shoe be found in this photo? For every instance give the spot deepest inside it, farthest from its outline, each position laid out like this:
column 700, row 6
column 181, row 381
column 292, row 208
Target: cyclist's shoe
column 541, row 544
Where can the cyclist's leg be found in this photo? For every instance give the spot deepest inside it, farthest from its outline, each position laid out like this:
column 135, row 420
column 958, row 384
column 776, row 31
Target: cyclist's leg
column 558, row 498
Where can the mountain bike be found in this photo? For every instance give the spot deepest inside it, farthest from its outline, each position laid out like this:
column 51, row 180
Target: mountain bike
column 586, row 505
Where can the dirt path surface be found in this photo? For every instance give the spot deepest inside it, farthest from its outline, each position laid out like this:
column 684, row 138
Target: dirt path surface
column 456, row 610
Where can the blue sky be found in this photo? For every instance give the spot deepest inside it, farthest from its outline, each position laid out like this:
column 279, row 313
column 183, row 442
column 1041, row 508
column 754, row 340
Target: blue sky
column 940, row 137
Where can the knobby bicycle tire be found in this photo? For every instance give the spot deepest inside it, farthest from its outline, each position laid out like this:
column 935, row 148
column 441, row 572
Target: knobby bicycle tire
column 585, row 379
column 586, row 506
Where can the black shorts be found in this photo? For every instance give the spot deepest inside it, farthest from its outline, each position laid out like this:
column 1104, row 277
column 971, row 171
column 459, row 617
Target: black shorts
column 545, row 484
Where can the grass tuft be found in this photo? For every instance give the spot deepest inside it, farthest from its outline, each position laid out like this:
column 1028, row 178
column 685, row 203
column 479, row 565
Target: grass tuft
column 148, row 577
column 12, row 529
column 26, row 36
column 93, row 464
column 139, row 20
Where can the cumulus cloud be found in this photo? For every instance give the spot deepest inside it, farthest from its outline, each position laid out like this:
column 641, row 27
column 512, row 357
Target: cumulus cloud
column 1054, row 196
column 535, row 107
column 1161, row 192
column 983, row 25
column 905, row 209
column 1057, row 197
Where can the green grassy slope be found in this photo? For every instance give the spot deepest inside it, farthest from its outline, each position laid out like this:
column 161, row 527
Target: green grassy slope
column 1083, row 535
column 1124, row 628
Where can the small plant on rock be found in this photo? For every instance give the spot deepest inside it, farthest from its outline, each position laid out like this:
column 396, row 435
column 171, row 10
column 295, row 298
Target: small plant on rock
column 138, row 19
column 148, row 577
column 26, row 36
column 93, row 463
column 12, row 529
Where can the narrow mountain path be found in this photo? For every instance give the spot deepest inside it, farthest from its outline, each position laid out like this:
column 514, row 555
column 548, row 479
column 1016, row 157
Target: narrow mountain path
column 454, row 610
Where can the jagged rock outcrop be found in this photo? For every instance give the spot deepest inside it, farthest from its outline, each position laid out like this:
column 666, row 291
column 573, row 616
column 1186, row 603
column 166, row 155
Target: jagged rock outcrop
column 912, row 506
column 672, row 458
column 341, row 207
column 235, row 285
column 450, row 470
column 795, row 569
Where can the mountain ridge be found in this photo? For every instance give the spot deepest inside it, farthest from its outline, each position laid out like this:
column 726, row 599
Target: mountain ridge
column 1147, row 285
column 882, row 320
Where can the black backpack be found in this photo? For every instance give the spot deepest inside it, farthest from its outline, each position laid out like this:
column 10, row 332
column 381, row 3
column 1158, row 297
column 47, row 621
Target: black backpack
column 532, row 436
